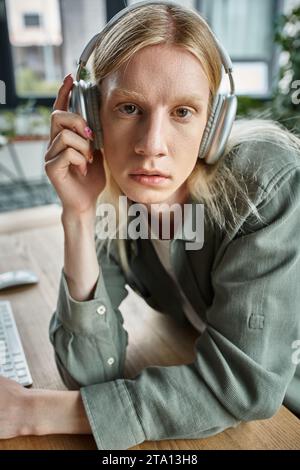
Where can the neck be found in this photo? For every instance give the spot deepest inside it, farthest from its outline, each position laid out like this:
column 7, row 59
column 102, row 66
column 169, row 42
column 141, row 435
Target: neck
column 156, row 215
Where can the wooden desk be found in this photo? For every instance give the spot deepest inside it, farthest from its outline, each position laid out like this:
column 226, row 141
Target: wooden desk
column 33, row 238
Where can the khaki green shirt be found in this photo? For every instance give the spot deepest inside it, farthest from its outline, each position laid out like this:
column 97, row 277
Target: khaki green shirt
column 244, row 285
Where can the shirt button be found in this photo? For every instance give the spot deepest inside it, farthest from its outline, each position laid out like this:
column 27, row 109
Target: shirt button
column 110, row 361
column 101, row 310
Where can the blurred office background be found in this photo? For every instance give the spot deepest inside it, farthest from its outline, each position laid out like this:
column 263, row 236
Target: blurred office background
column 41, row 41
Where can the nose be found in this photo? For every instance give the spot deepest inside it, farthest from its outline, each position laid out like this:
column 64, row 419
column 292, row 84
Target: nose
column 152, row 139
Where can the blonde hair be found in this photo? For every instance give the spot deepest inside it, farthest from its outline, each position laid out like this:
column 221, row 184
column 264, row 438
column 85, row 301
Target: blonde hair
column 221, row 185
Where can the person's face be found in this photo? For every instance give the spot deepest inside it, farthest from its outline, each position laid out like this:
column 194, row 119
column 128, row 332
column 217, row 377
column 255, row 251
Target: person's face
column 157, row 124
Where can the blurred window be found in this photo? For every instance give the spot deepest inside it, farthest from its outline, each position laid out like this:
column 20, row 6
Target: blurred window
column 245, row 29
column 31, row 19
column 47, row 38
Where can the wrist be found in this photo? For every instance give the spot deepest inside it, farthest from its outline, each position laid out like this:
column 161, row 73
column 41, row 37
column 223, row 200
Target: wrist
column 56, row 412
column 71, row 218
column 24, row 413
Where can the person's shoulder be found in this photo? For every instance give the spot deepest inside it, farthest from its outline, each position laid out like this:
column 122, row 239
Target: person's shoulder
column 263, row 164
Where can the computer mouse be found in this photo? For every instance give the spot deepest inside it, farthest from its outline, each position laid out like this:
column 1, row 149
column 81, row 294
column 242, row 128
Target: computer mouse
column 17, row 278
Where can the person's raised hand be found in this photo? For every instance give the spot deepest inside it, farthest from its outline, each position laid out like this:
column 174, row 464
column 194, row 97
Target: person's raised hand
column 74, row 169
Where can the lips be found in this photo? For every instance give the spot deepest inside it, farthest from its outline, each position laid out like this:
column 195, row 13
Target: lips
column 150, row 179
column 144, row 172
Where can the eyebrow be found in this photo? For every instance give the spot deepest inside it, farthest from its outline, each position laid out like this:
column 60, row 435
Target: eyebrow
column 138, row 96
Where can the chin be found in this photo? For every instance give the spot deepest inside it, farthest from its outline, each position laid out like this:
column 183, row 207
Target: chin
column 148, row 196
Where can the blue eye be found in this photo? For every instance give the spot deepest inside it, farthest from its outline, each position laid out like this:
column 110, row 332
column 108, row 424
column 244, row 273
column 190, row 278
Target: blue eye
column 128, row 105
column 185, row 109
column 133, row 106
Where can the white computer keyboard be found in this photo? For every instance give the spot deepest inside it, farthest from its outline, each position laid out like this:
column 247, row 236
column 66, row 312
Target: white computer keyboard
column 13, row 364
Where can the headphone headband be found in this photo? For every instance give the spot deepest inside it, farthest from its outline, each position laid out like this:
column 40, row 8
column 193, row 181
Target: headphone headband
column 89, row 48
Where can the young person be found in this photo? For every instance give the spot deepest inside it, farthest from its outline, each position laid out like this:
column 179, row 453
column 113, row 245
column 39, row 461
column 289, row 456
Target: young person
column 158, row 70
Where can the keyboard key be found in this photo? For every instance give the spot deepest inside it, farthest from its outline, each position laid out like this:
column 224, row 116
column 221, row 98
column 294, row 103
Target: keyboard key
column 13, row 362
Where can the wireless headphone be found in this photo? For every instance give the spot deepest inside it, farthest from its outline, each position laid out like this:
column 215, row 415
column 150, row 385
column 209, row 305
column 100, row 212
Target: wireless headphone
column 85, row 97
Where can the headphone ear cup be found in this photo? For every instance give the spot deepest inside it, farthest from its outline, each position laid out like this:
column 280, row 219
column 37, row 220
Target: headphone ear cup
column 206, row 138
column 85, row 101
column 77, row 99
column 221, row 128
column 218, row 128
column 92, row 100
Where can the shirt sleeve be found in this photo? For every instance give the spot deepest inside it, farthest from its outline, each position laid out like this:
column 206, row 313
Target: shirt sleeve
column 89, row 338
column 243, row 360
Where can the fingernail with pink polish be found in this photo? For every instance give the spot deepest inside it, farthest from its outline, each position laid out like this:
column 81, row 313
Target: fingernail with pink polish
column 67, row 77
column 88, row 132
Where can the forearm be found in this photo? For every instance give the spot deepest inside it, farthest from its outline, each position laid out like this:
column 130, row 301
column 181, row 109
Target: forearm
column 55, row 412
column 81, row 265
